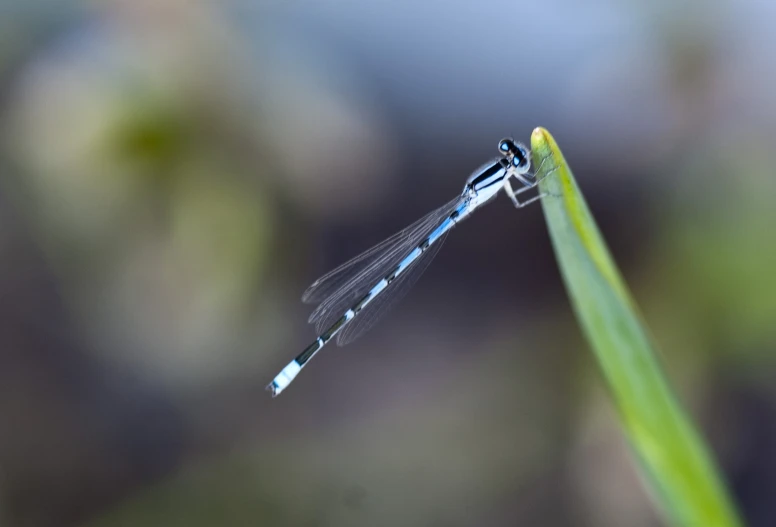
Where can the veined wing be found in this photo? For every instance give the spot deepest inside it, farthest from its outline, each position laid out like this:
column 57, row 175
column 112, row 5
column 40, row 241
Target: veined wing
column 332, row 281
column 375, row 267
column 395, row 291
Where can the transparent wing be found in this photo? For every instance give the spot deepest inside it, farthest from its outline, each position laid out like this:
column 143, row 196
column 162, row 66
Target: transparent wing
column 375, row 268
column 332, row 281
column 378, row 307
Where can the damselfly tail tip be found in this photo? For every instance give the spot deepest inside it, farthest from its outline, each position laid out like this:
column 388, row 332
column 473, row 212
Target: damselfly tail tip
column 284, row 378
column 273, row 388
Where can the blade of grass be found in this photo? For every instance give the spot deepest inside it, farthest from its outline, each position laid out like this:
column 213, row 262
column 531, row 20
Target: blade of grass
column 671, row 452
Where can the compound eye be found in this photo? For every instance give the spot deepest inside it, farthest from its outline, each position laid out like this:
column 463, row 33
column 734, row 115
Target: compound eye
column 520, row 160
column 507, row 146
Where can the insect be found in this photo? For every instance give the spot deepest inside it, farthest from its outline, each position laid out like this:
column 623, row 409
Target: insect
column 352, row 297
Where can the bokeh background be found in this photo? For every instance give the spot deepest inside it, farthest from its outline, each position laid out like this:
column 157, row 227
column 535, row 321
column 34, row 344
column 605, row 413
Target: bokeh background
column 174, row 173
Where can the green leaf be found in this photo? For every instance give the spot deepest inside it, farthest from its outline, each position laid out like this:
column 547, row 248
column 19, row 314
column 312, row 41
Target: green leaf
column 672, row 453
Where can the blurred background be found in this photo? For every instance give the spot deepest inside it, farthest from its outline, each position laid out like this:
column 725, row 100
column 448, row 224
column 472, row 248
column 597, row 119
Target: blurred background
column 174, row 173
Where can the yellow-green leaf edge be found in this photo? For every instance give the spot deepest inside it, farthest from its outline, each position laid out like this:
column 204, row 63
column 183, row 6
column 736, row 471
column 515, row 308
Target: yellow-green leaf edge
column 672, row 454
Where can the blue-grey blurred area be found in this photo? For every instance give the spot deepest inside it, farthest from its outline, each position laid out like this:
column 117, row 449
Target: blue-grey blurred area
column 174, row 173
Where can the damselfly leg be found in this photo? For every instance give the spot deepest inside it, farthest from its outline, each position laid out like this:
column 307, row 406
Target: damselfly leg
column 528, row 182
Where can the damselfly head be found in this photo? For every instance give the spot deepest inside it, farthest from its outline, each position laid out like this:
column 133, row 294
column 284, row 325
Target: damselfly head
column 507, row 146
column 521, row 161
column 516, row 153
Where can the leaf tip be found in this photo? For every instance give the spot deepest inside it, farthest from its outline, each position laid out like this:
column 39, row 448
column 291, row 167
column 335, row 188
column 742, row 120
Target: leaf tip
column 542, row 142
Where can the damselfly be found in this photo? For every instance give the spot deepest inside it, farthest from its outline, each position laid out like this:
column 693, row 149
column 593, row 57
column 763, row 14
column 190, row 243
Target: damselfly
column 354, row 295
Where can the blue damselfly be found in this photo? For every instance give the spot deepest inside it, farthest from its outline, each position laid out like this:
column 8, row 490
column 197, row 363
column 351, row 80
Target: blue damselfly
column 354, row 295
